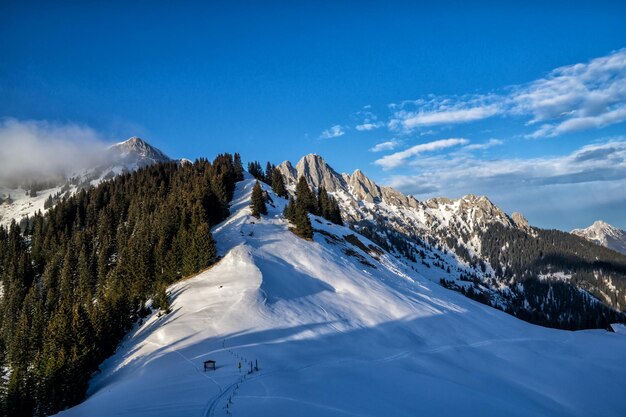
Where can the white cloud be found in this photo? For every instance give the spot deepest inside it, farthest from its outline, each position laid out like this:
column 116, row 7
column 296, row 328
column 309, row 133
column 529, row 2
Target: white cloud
column 570, row 98
column 400, row 158
column 445, row 117
column 30, row 149
column 574, row 124
column 481, row 146
column 333, row 132
column 367, row 120
column 462, row 174
column 369, row 126
column 385, row 146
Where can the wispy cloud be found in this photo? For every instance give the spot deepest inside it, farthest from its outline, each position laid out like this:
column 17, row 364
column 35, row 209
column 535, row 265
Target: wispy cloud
column 369, row 126
column 447, row 116
column 461, row 174
column 31, row 149
column 486, row 145
column 367, row 120
column 401, row 158
column 333, row 132
column 385, row 146
column 570, row 98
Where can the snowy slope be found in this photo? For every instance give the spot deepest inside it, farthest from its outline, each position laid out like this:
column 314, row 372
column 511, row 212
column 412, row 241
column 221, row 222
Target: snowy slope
column 604, row 234
column 342, row 331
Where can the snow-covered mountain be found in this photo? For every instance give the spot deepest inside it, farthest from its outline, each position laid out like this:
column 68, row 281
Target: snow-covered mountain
column 604, row 234
column 466, row 240
column 136, row 153
column 338, row 326
column 40, row 194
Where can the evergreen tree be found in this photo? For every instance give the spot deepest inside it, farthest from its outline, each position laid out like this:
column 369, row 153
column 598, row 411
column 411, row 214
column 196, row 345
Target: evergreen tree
column 333, row 211
column 254, row 168
column 258, row 201
column 269, row 170
column 278, row 183
column 305, row 197
column 303, row 227
column 238, row 167
column 290, row 210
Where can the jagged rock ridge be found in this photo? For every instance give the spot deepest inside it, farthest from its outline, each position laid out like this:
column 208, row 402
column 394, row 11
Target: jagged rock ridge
column 461, row 241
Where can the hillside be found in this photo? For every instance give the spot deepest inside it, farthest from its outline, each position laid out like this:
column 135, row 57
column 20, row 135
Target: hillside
column 338, row 330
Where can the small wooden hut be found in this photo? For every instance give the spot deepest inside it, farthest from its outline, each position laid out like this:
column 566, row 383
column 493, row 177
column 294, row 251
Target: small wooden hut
column 209, row 364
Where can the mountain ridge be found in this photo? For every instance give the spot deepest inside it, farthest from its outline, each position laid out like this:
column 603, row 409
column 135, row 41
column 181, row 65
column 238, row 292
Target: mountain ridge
column 470, row 239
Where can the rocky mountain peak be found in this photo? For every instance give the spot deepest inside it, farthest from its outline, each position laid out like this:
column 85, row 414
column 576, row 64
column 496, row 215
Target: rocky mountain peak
column 602, row 233
column 363, row 188
column 482, row 208
column 318, row 173
column 138, row 151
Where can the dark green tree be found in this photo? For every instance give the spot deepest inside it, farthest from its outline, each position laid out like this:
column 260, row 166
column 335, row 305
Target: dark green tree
column 258, row 201
column 269, row 170
column 303, row 227
column 238, row 167
column 290, row 210
column 305, row 197
column 278, row 183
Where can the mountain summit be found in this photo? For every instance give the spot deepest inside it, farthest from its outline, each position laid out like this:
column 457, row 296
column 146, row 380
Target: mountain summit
column 138, row 152
column 604, row 234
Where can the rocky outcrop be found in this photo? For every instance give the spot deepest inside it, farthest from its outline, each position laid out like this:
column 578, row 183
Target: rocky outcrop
column 520, row 221
column 364, row 189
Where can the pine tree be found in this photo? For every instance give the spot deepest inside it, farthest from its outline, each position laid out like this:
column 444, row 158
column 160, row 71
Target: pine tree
column 303, row 225
column 238, row 167
column 323, row 202
column 161, row 300
column 290, row 210
column 258, row 201
column 269, row 170
column 334, row 212
column 305, row 197
column 278, row 183
column 254, row 168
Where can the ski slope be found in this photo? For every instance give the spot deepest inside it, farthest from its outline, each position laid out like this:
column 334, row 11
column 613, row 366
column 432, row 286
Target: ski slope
column 339, row 331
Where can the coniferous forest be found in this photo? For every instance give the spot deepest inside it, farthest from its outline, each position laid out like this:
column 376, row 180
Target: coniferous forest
column 75, row 280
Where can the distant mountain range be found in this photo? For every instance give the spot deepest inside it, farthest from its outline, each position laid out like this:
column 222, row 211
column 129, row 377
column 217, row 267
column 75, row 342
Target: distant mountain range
column 466, row 244
column 604, row 234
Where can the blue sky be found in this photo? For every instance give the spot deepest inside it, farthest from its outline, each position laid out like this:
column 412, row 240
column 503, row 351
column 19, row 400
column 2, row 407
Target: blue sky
column 525, row 103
